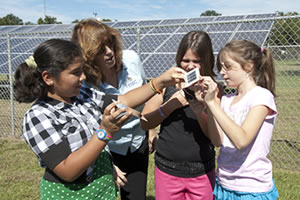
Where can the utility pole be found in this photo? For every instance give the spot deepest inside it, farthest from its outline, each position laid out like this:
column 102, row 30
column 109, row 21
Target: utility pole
column 45, row 8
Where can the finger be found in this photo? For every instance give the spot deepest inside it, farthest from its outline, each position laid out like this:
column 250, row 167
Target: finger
column 122, row 177
column 109, row 109
column 120, row 183
column 122, row 118
column 179, row 74
column 118, row 112
column 179, row 70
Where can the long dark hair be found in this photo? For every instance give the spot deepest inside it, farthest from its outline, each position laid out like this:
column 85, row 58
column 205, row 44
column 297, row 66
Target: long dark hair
column 200, row 43
column 53, row 56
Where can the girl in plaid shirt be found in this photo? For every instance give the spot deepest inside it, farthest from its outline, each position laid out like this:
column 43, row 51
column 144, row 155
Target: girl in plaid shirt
column 69, row 125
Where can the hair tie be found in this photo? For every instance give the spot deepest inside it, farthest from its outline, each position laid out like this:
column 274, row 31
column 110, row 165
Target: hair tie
column 262, row 50
column 30, row 62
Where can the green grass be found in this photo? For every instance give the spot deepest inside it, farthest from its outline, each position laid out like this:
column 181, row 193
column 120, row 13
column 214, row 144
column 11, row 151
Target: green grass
column 20, row 174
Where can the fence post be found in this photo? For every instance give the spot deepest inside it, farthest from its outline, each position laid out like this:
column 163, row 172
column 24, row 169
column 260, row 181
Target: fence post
column 11, row 87
column 138, row 41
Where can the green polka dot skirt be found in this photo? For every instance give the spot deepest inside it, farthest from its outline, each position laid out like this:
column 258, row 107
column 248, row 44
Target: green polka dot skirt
column 101, row 187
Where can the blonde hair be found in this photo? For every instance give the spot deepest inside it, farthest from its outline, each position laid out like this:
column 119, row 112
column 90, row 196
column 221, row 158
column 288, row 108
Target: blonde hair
column 92, row 36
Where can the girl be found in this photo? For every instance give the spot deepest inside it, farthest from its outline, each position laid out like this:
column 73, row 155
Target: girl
column 69, row 125
column 185, row 157
column 242, row 123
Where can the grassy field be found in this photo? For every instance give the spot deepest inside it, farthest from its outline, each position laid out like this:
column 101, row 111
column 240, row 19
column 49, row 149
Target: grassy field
column 20, row 174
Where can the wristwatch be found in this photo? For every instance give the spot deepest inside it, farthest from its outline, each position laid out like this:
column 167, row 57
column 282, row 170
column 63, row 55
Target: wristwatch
column 101, row 134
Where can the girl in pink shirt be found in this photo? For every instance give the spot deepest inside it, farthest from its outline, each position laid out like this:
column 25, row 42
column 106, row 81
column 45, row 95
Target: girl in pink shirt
column 242, row 123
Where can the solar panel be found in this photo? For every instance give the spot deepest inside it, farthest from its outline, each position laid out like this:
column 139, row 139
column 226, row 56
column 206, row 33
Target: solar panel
column 257, row 37
column 157, row 62
column 22, row 29
column 8, row 29
column 3, row 45
column 173, row 21
column 171, row 45
column 124, row 24
column 221, row 27
column 42, row 28
column 219, row 40
column 201, row 19
column 261, row 16
column 230, row 18
column 62, row 27
column 148, row 23
column 150, row 43
column 159, row 39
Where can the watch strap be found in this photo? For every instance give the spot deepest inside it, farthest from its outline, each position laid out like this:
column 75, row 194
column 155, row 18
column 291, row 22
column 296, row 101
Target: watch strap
column 105, row 137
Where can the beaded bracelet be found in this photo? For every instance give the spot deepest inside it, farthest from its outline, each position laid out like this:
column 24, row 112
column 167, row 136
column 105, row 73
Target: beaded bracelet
column 154, row 88
column 162, row 113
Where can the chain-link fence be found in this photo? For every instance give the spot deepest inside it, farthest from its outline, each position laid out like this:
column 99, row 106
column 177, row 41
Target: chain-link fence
column 157, row 45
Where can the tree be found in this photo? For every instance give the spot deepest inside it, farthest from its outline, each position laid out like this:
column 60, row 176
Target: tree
column 106, row 20
column 210, row 13
column 48, row 20
column 75, row 21
column 11, row 19
column 29, row 23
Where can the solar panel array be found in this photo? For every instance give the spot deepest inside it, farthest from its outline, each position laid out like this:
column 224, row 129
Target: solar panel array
column 155, row 40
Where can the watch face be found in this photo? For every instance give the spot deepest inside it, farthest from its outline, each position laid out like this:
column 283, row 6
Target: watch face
column 101, row 135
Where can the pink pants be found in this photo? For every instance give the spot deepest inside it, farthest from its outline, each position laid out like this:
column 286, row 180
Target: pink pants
column 169, row 187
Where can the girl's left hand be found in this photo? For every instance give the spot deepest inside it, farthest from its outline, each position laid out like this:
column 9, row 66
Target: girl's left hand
column 114, row 118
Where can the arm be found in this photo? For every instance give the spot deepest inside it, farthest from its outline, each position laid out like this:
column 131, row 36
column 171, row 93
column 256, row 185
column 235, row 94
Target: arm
column 152, row 113
column 152, row 139
column 198, row 108
column 240, row 136
column 77, row 162
column 206, row 119
column 170, row 77
column 215, row 133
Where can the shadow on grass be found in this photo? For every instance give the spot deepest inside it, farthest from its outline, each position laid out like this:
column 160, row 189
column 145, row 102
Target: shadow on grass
column 150, row 198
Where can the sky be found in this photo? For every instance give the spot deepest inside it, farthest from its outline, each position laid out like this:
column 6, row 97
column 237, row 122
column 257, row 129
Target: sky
column 67, row 11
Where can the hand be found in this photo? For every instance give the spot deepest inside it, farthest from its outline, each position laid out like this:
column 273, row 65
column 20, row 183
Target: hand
column 113, row 118
column 120, row 177
column 152, row 140
column 172, row 76
column 210, row 89
column 197, row 107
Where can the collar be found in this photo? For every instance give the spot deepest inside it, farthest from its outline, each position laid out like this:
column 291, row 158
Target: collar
column 56, row 103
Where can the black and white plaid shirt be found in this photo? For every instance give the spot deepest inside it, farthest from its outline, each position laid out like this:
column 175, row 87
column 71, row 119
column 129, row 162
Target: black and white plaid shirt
column 54, row 129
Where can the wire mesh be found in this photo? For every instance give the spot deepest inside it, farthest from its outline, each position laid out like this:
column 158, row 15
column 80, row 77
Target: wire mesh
column 157, row 41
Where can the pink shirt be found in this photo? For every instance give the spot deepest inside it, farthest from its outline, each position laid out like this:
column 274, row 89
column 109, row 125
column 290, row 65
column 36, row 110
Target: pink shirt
column 249, row 169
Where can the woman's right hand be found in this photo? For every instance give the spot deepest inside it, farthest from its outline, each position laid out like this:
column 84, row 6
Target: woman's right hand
column 170, row 77
column 114, row 118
